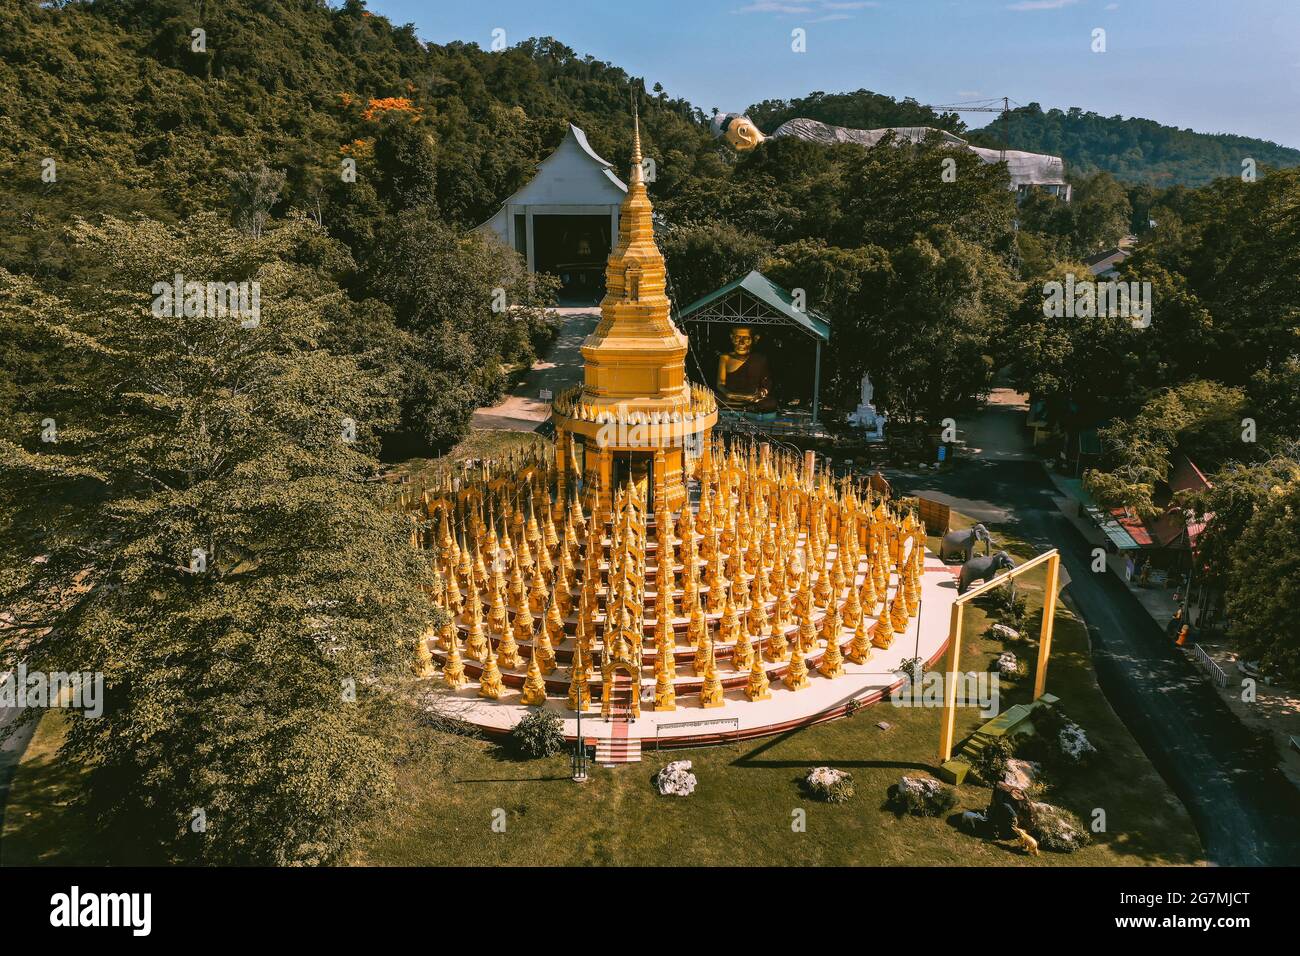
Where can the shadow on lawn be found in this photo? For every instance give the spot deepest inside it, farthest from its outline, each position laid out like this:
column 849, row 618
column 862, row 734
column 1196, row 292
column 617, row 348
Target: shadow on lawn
column 748, row 760
column 564, row 779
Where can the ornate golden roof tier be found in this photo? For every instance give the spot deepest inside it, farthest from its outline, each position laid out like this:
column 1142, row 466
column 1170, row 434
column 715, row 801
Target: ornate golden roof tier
column 572, row 410
column 635, row 414
column 636, row 356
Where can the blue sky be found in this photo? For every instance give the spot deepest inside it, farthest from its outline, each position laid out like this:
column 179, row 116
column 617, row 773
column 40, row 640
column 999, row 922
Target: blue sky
column 1211, row 65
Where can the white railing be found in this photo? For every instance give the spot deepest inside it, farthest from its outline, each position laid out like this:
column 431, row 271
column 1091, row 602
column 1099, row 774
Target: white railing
column 1212, row 669
column 733, row 722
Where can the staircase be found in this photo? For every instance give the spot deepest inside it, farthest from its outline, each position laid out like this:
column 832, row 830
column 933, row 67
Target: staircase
column 611, row 751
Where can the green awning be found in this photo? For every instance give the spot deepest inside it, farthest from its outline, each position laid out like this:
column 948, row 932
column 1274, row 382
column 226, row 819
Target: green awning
column 1114, row 531
column 762, row 302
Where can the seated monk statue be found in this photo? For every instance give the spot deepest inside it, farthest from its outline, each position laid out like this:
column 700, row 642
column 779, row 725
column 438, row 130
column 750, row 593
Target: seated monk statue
column 744, row 380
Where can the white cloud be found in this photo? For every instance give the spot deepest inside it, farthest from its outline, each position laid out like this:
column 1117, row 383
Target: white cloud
column 1041, row 4
column 771, row 6
column 829, row 9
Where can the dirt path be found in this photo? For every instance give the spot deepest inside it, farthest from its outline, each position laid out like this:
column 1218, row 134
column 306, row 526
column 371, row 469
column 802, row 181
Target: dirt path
column 524, row 409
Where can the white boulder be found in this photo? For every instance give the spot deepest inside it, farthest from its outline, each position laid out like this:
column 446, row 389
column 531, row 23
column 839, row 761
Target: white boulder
column 1021, row 774
column 923, row 788
column 825, row 776
column 1075, row 743
column 1004, row 633
column 676, row 779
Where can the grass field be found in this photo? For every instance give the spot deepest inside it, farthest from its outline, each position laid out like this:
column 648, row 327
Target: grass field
column 744, row 805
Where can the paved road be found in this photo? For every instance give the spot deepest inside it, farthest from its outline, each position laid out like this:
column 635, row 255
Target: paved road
column 1246, row 812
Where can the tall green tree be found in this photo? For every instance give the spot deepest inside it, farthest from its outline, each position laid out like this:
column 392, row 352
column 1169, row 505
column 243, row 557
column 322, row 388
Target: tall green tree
column 919, row 321
column 1202, row 418
column 205, row 530
column 1086, row 368
column 703, row 256
column 1264, row 587
column 470, row 308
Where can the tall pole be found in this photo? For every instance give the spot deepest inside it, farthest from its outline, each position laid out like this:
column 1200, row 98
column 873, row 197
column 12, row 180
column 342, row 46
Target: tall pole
column 817, row 383
column 920, row 605
column 1006, row 108
column 948, row 725
column 1048, row 626
column 580, row 749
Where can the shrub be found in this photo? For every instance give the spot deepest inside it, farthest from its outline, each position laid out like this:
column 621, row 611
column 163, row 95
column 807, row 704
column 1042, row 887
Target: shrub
column 1036, row 748
column 913, row 668
column 923, row 797
column 1063, row 742
column 829, row 784
column 1056, row 828
column 539, row 734
column 1010, row 607
column 992, row 760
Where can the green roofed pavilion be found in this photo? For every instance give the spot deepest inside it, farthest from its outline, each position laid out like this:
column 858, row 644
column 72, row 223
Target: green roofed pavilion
column 755, row 300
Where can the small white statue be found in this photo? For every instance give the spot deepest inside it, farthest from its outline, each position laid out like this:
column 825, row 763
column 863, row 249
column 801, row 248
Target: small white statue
column 865, row 415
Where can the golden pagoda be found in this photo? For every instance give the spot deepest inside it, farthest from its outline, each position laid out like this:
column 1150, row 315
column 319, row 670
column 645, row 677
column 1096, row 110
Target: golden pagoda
column 593, row 557
column 635, row 410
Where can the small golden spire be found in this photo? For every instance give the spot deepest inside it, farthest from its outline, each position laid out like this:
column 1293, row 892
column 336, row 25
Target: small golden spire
column 490, row 679
column 711, row 689
column 638, row 174
column 758, row 687
column 534, row 694
column 453, row 672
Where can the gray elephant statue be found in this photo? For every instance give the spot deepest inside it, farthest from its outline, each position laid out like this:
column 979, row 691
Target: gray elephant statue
column 984, row 568
column 961, row 544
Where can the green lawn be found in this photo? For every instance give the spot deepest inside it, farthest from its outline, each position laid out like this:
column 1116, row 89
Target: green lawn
column 742, row 809
column 37, row 829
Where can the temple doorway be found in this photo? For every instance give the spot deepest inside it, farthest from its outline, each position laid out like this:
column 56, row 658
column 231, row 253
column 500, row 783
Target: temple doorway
column 620, row 699
column 575, row 249
column 636, row 468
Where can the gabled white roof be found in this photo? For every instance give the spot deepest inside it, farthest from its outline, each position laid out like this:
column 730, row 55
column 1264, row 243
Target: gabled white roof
column 573, row 174
column 581, row 137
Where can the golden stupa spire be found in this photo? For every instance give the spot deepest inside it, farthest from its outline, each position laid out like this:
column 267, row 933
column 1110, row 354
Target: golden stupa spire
column 638, row 171
column 634, row 362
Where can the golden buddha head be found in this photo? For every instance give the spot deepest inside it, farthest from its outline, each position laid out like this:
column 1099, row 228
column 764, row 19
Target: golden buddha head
column 737, row 130
column 743, row 339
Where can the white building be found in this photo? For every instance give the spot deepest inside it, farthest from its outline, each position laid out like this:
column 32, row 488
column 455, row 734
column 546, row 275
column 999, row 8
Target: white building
column 565, row 219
